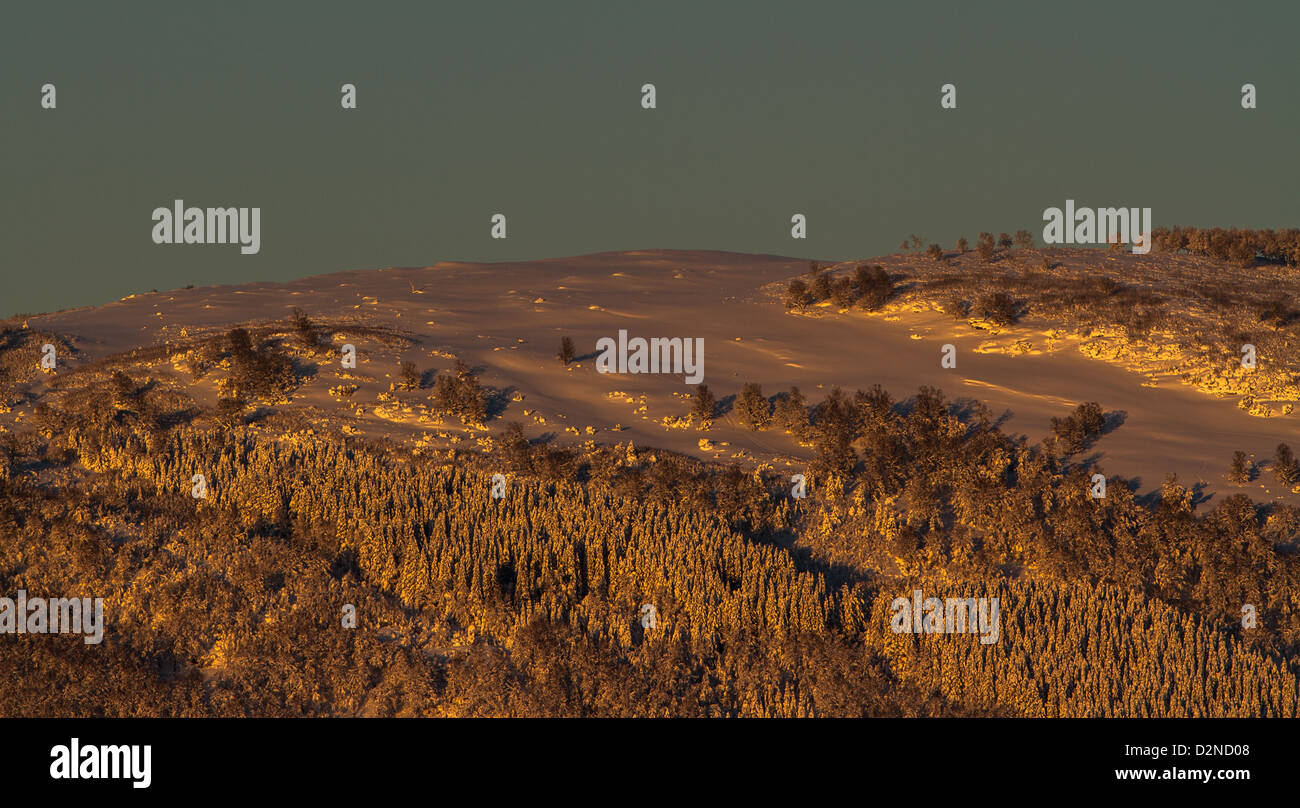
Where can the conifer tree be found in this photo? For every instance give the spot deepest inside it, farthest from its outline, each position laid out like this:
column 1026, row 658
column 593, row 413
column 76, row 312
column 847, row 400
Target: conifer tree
column 567, row 351
column 703, row 407
column 752, row 408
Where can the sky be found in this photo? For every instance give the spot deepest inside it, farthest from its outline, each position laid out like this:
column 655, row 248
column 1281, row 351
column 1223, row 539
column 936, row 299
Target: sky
column 533, row 110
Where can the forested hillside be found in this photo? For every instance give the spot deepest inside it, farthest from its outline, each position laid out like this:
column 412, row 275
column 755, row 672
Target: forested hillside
column 535, row 603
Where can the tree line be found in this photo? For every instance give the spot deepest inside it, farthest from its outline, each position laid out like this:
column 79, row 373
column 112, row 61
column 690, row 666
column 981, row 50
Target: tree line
column 532, row 604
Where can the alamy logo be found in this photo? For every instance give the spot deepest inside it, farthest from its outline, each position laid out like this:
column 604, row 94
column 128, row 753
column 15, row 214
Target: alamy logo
column 53, row 616
column 182, row 225
column 1102, row 226
column 655, row 355
column 90, row 762
column 947, row 616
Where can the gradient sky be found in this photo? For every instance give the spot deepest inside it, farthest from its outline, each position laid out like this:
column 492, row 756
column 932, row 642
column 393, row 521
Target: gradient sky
column 533, row 110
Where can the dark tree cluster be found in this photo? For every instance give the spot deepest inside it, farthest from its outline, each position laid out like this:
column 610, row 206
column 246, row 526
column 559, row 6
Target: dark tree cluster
column 1081, row 428
column 258, row 367
column 870, row 287
column 986, row 245
column 310, row 336
column 262, row 371
column 1240, row 469
column 1286, row 469
column 1241, row 246
column 458, row 394
column 791, row 413
column 752, row 408
column 408, row 377
column 703, row 406
column 797, row 295
column 998, row 308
